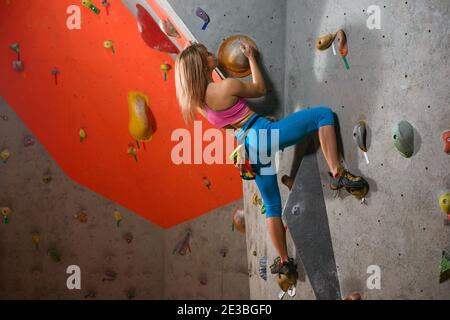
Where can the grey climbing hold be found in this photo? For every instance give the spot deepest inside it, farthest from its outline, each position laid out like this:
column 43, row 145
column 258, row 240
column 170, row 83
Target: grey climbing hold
column 360, row 135
column 403, row 136
column 263, row 268
column 296, row 210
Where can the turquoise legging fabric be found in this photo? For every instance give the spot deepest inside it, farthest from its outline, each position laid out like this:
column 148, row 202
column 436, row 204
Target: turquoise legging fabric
column 290, row 131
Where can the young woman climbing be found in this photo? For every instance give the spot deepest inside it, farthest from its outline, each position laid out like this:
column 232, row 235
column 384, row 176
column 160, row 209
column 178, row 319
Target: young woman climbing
column 224, row 105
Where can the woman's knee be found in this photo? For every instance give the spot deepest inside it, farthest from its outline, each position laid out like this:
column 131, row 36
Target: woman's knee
column 326, row 117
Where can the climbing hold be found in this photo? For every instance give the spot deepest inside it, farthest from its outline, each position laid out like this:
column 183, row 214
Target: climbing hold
column 139, row 123
column 203, row 279
column 324, row 42
column 292, row 291
column 118, row 217
column 444, row 268
column 254, row 253
column 263, row 208
column 82, row 217
column 131, row 294
column 446, row 140
column 55, row 73
column 108, row 44
column 133, row 152
column 18, row 65
column 263, row 268
column 6, row 213
column 54, row 254
column 184, row 245
column 239, row 220
column 287, row 181
column 28, row 142
column 88, row 4
column 128, row 237
column 403, row 136
column 152, row 34
column 230, row 56
column 106, row 4
column 168, row 28
column 444, row 203
column 109, row 275
column 165, row 68
column 5, row 155
column 207, row 183
column 204, row 16
column 285, row 282
column 83, row 135
column 353, row 296
column 255, row 199
column 360, row 135
column 223, row 252
column 47, row 179
column 90, row 294
column 341, row 39
column 296, row 210
column 36, row 238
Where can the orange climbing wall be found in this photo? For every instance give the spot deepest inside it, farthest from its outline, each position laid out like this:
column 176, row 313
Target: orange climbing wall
column 92, row 94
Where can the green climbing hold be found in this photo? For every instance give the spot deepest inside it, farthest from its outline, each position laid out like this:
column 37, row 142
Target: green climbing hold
column 55, row 255
column 403, row 136
column 88, row 4
column 444, row 267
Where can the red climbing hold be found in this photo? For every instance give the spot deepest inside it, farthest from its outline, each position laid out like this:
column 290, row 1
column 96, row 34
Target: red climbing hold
column 446, row 141
column 152, row 34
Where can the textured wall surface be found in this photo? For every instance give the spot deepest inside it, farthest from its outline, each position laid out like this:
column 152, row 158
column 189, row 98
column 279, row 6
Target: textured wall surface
column 217, row 266
column 96, row 246
column 400, row 72
column 90, row 79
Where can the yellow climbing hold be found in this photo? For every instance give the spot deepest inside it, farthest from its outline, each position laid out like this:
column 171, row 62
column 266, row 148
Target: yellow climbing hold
column 165, row 68
column 36, row 238
column 83, row 135
column 4, row 155
column 444, row 202
column 255, row 199
column 118, row 217
column 108, row 44
column 6, row 212
column 139, row 124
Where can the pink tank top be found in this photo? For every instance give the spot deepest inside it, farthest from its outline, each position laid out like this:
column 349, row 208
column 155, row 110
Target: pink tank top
column 221, row 119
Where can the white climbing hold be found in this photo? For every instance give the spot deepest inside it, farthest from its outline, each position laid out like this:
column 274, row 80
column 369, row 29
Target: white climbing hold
column 292, row 291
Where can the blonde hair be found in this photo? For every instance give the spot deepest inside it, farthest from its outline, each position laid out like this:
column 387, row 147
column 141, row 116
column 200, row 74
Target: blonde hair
column 191, row 80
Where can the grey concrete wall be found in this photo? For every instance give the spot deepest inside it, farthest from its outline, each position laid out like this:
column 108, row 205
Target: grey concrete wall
column 217, row 266
column 397, row 73
column 96, row 246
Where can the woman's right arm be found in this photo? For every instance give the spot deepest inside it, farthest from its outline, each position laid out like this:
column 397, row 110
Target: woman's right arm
column 254, row 89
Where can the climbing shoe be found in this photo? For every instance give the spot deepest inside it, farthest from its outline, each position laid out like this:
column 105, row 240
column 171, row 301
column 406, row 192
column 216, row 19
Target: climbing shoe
column 287, row 268
column 344, row 179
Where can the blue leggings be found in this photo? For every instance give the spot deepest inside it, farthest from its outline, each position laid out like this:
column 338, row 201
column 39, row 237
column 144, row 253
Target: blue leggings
column 290, row 131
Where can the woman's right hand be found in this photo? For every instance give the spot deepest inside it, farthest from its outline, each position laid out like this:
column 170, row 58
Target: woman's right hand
column 248, row 50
